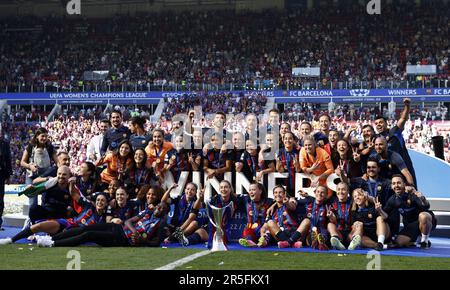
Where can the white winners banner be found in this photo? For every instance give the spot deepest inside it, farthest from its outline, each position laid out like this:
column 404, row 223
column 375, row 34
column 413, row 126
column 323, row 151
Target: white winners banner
column 242, row 183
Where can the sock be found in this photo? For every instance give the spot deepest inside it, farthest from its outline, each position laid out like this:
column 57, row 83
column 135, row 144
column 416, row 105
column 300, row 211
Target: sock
column 22, row 235
column 294, row 237
column 282, row 236
column 194, row 239
column 425, row 238
column 381, row 239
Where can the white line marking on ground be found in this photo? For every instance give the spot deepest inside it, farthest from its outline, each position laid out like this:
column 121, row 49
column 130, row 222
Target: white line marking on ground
column 183, row 261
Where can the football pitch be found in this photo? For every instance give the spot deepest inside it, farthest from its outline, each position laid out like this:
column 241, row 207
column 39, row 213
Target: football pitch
column 30, row 257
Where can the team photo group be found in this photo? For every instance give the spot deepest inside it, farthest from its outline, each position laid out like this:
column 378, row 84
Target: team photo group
column 123, row 193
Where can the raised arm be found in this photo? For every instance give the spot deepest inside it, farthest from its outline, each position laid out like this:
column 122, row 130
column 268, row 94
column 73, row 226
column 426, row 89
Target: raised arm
column 405, row 113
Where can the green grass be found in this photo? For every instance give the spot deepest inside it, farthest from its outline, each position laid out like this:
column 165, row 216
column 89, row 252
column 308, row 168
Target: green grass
column 246, row 260
column 20, row 257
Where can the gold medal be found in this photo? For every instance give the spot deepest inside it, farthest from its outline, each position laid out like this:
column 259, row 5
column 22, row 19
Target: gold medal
column 369, row 215
column 250, row 213
column 254, row 226
column 136, row 190
column 379, row 188
column 284, row 213
column 143, row 141
column 144, row 235
column 390, row 167
column 83, row 221
column 173, row 157
column 124, row 135
column 158, row 160
column 387, row 138
column 254, row 178
column 408, row 202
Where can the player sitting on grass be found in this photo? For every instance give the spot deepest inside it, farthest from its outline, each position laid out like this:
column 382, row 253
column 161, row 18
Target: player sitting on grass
column 418, row 220
column 282, row 221
column 185, row 226
column 368, row 222
column 257, row 204
column 339, row 225
column 313, row 228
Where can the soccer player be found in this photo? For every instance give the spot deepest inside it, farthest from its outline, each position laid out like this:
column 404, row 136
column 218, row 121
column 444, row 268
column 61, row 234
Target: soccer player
column 266, row 158
column 122, row 208
column 87, row 181
column 151, row 198
column 346, row 166
column 339, row 225
column 248, row 163
column 186, row 226
column 316, row 161
column 418, row 220
column 257, row 205
column 145, row 229
column 368, row 220
column 287, row 160
column 281, row 222
column 156, row 152
column 313, row 228
column 216, row 162
column 177, row 160
column 119, row 162
column 224, row 198
column 321, row 136
column 139, row 174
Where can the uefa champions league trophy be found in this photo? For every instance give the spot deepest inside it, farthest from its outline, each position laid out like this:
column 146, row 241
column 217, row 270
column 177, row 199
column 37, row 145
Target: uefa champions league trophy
column 216, row 219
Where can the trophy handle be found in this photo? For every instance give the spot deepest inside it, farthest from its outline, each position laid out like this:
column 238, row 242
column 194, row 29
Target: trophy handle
column 214, row 207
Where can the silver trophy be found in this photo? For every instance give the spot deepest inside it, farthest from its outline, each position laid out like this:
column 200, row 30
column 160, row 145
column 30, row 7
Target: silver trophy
column 216, row 220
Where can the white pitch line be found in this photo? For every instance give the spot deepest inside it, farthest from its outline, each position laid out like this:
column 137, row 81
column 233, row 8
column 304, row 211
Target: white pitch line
column 183, row 261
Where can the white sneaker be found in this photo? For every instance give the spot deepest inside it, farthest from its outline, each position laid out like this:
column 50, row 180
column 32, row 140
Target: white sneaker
column 356, row 241
column 336, row 244
column 46, row 242
column 6, row 241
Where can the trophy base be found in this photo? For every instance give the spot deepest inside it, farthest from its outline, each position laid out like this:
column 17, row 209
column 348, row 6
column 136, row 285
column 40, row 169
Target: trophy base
column 218, row 247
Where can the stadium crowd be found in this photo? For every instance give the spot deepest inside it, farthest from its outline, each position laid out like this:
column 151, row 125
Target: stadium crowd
column 221, row 47
column 115, row 194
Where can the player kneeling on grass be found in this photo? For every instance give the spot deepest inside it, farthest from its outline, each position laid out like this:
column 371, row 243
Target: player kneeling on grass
column 339, row 225
column 91, row 214
column 185, row 226
column 257, row 204
column 414, row 208
column 144, row 229
column 282, row 221
column 368, row 222
column 313, row 229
